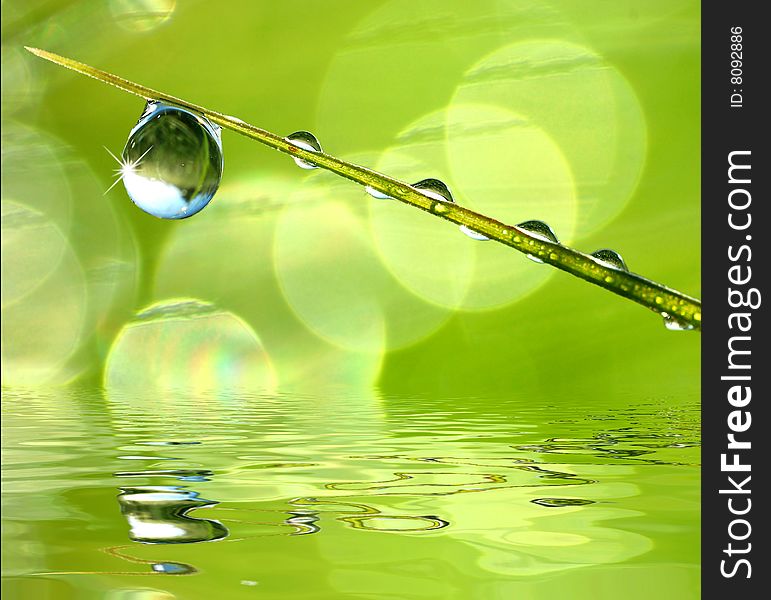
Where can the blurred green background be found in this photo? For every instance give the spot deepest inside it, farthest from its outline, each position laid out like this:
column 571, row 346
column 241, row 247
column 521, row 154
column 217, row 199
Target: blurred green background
column 296, row 285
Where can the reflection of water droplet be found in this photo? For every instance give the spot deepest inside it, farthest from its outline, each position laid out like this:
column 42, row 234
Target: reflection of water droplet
column 173, row 568
column 376, row 194
column 181, row 474
column 167, row 443
column 610, row 257
column 540, row 230
column 395, row 523
column 307, row 141
column 158, row 515
column 561, row 502
column 304, row 522
column 674, row 325
column 172, row 162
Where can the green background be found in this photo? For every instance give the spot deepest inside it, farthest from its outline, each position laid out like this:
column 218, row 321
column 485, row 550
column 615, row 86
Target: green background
column 323, row 345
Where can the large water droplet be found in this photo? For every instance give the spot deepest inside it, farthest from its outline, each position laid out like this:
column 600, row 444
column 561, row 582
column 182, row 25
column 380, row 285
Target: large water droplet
column 307, row 141
column 610, row 258
column 540, row 230
column 674, row 325
column 172, row 162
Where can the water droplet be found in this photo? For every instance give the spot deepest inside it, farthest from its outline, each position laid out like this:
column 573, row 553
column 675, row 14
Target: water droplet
column 674, row 325
column 540, row 230
column 473, row 234
column 376, row 194
column 438, row 190
column 307, row 141
column 434, row 188
column 610, row 258
column 561, row 502
column 172, row 163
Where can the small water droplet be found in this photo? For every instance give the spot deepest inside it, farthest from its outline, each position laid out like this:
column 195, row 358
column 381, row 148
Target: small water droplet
column 376, row 194
column 307, row 141
column 610, row 258
column 172, row 163
column 674, row 325
column 561, row 502
column 434, row 188
column 438, row 190
column 473, row 234
column 540, row 230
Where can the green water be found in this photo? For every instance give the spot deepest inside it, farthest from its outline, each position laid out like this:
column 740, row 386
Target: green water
column 304, row 392
column 401, row 497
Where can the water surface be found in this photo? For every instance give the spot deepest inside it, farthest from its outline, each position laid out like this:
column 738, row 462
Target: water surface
column 339, row 496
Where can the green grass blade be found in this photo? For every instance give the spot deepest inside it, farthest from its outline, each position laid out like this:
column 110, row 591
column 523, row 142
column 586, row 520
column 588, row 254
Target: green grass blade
column 655, row 296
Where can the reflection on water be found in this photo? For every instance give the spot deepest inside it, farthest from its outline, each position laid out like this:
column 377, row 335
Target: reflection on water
column 159, row 515
column 492, row 488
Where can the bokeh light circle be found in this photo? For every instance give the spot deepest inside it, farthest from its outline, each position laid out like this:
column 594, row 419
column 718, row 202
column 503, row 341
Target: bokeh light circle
column 139, row 16
column 187, row 345
column 44, row 298
column 227, row 257
column 495, row 162
column 581, row 101
column 411, row 66
column 332, row 277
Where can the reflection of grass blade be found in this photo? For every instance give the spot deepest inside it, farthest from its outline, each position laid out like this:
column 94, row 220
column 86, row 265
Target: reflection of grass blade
column 655, row 296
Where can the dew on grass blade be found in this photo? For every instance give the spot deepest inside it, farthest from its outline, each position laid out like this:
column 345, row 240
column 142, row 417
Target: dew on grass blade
column 433, row 188
column 610, row 258
column 540, row 230
column 172, row 163
column 307, row 141
column 438, row 190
